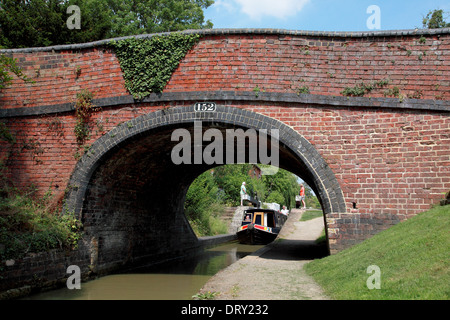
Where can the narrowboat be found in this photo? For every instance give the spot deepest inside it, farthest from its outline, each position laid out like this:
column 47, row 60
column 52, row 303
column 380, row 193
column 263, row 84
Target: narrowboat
column 260, row 226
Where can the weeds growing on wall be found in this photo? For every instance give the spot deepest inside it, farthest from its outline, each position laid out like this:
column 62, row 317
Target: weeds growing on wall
column 8, row 65
column 83, row 110
column 148, row 64
column 362, row 89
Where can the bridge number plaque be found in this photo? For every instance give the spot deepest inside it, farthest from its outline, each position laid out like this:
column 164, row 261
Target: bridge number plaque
column 205, row 106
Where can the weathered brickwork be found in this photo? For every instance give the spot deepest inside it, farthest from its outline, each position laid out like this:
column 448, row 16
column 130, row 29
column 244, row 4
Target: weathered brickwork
column 58, row 76
column 373, row 160
column 326, row 66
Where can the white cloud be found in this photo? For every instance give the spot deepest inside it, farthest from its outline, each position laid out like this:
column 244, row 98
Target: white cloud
column 281, row 9
column 225, row 4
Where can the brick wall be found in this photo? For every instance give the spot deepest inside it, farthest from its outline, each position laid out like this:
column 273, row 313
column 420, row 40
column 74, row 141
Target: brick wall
column 326, row 65
column 58, row 76
column 417, row 63
column 44, row 270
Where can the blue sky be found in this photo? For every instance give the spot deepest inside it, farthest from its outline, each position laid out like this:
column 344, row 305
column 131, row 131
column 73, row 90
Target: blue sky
column 320, row 15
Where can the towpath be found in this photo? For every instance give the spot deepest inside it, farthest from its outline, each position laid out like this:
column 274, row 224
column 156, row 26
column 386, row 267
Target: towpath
column 275, row 272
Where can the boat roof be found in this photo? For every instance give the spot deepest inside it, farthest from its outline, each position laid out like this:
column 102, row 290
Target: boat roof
column 260, row 210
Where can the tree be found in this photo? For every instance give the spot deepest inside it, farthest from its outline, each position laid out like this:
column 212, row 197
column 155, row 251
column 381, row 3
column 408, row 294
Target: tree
column 435, row 19
column 37, row 23
column 203, row 208
column 22, row 23
column 201, row 193
column 276, row 197
column 34, row 23
column 285, row 183
column 229, row 179
column 154, row 16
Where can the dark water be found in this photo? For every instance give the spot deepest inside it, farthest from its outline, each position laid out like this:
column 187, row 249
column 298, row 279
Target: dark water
column 178, row 280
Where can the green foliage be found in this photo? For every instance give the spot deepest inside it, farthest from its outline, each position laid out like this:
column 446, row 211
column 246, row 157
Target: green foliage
column 275, row 196
column 210, row 295
column 22, row 22
column 412, row 256
column 229, row 179
column 393, row 92
column 284, row 183
column 311, row 200
column 23, row 25
column 202, row 207
column 303, row 90
column 28, row 225
column 148, row 64
column 435, row 19
column 5, row 134
column 150, row 16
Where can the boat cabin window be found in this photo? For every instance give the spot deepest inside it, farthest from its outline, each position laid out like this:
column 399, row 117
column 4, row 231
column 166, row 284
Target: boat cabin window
column 258, row 218
column 264, row 218
column 269, row 220
column 247, row 219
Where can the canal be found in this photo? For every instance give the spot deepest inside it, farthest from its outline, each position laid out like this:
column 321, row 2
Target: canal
column 174, row 280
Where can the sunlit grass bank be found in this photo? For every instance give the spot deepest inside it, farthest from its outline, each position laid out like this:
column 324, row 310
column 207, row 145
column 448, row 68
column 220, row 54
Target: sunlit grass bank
column 413, row 259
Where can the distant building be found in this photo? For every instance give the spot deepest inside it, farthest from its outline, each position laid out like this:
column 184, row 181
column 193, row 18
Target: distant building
column 255, row 171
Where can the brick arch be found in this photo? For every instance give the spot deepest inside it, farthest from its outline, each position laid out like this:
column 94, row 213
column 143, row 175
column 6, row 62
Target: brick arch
column 323, row 179
column 135, row 142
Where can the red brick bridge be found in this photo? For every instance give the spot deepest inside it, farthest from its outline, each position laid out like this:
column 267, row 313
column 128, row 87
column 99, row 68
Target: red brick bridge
column 373, row 160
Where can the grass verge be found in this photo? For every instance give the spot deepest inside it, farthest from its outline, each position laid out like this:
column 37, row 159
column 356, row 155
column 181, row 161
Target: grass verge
column 311, row 214
column 413, row 258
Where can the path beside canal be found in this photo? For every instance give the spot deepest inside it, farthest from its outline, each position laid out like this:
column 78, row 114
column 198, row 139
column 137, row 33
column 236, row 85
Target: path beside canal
column 275, row 272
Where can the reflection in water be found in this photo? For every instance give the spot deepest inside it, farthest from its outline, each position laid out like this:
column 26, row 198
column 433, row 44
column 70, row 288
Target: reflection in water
column 178, row 280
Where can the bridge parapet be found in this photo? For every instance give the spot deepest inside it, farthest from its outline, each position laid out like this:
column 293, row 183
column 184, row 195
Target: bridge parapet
column 403, row 64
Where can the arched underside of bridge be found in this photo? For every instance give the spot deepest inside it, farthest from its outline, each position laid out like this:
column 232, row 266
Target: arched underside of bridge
column 130, row 194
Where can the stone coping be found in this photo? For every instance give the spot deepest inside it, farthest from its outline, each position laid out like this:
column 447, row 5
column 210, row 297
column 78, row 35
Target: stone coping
column 246, row 31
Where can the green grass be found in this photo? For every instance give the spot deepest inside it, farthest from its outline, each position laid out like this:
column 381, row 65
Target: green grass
column 311, row 214
column 413, row 257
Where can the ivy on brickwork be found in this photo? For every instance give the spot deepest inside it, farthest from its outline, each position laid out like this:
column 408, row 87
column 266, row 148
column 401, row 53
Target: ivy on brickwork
column 148, row 64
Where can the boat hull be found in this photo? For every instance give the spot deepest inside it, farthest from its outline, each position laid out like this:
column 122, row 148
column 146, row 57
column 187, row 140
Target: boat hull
column 256, row 235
